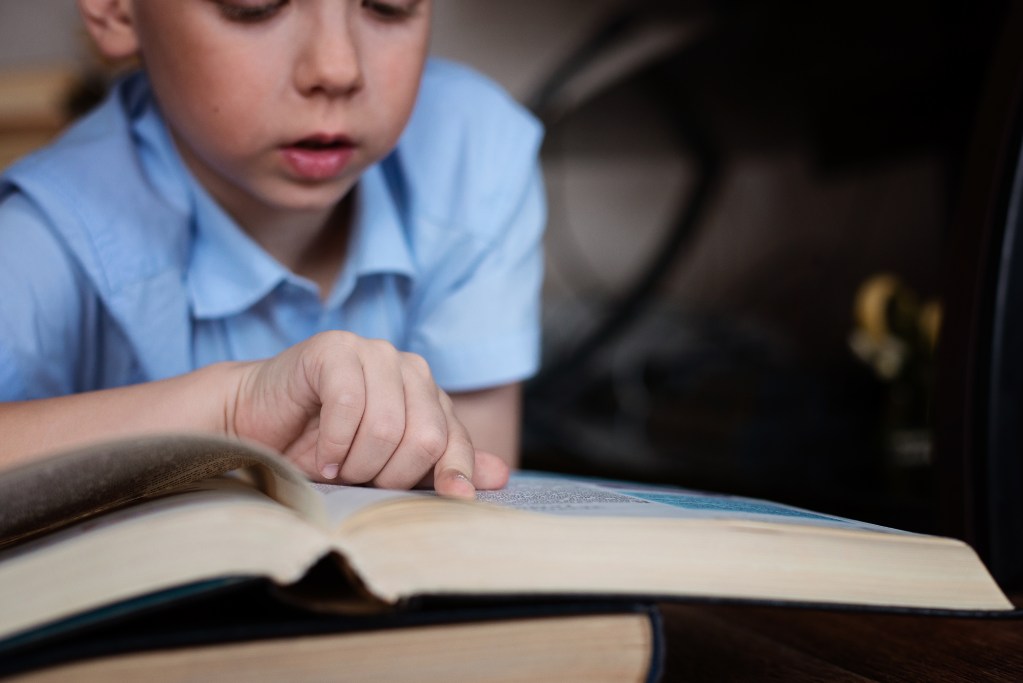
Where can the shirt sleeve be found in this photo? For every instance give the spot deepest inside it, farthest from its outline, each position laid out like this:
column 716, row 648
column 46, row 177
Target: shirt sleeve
column 42, row 309
column 483, row 329
column 470, row 159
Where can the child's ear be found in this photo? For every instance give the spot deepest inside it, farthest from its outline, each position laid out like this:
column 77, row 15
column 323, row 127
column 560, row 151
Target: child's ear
column 112, row 26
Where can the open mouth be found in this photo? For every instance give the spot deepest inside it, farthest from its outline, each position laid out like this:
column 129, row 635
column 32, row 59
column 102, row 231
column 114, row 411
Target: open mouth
column 321, row 143
column 318, row 157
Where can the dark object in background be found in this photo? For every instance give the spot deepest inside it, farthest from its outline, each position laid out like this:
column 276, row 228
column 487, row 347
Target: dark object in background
column 860, row 85
column 979, row 420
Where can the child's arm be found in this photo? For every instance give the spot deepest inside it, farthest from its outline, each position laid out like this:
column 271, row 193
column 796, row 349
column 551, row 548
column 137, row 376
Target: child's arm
column 494, row 418
column 336, row 404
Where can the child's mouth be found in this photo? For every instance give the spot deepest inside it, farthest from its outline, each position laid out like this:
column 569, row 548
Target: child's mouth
column 320, row 143
column 318, row 157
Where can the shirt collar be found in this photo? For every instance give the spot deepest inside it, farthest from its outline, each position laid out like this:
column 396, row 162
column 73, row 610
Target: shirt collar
column 379, row 243
column 228, row 272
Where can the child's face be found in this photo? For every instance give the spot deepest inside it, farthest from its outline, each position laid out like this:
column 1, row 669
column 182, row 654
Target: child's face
column 280, row 105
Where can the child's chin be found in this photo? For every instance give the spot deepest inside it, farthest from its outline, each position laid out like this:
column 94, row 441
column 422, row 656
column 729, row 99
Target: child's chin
column 312, row 197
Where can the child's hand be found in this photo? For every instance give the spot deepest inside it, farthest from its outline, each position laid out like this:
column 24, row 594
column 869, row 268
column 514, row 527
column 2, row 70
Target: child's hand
column 357, row 411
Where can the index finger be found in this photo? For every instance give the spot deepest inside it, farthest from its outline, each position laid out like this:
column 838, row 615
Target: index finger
column 452, row 475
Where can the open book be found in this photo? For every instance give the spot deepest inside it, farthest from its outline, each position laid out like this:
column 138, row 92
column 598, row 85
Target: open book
column 102, row 526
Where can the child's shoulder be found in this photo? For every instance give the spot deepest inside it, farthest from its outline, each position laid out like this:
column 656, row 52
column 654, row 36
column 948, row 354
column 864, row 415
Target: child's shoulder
column 444, row 77
column 87, row 142
column 89, row 188
column 469, row 146
column 465, row 99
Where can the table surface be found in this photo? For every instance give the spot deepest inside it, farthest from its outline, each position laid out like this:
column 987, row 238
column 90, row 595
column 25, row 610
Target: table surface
column 757, row 643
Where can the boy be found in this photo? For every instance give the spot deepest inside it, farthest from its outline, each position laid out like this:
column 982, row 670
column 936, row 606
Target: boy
column 242, row 239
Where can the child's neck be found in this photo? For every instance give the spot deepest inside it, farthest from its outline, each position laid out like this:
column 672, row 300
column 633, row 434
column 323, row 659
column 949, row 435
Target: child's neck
column 312, row 245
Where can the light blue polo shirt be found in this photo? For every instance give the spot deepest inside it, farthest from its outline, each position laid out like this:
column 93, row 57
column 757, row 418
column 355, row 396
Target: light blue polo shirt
column 117, row 267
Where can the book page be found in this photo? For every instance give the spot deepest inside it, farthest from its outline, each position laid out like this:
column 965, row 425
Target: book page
column 562, row 495
column 567, row 496
column 341, row 502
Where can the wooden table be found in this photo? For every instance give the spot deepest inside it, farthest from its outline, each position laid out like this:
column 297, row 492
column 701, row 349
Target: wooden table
column 751, row 643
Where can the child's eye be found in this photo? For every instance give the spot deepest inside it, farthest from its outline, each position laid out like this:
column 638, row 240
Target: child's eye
column 390, row 11
column 250, row 11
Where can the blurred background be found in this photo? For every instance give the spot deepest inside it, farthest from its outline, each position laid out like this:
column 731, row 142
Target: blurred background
column 750, row 205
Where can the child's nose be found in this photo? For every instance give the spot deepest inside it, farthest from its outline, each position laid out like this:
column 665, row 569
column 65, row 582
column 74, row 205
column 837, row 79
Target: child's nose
column 330, row 62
